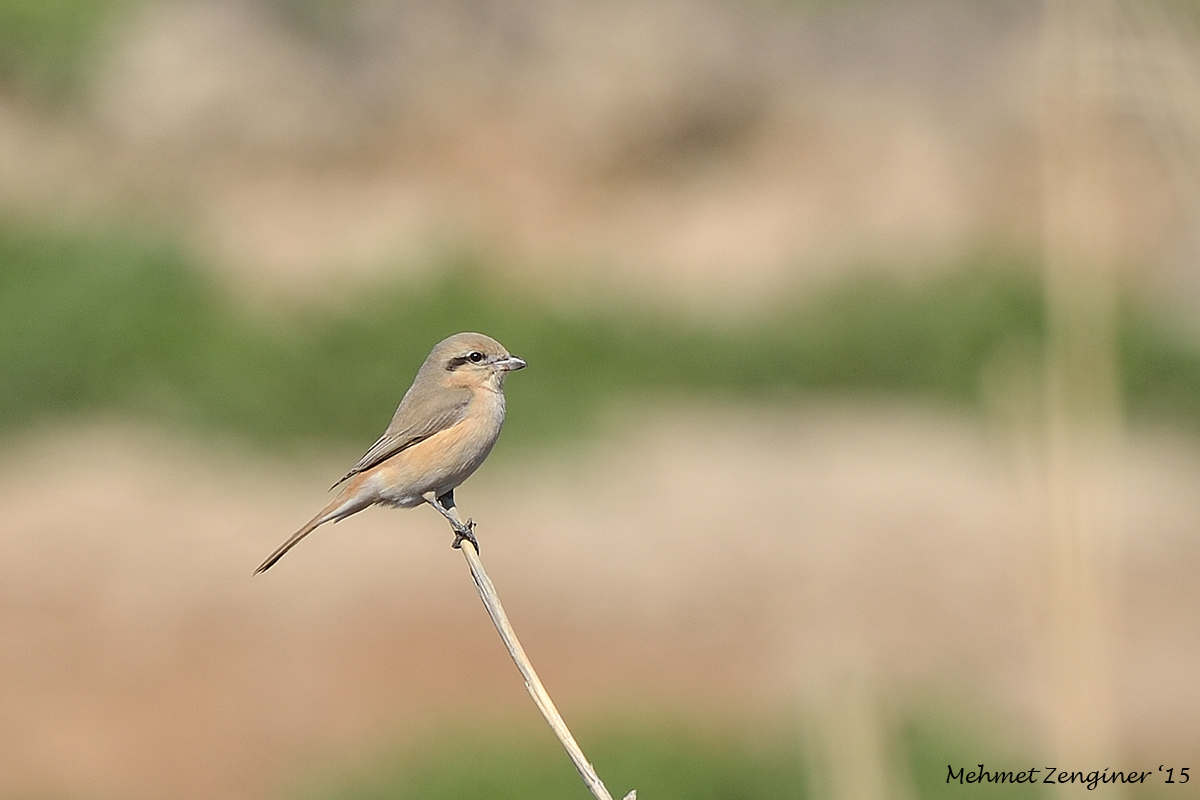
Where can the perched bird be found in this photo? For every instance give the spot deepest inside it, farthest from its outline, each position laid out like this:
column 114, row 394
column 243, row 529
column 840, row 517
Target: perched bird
column 444, row 428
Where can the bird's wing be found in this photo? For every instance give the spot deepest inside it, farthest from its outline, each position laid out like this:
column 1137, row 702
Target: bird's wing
column 416, row 420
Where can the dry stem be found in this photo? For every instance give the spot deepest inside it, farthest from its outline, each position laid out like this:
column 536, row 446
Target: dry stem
column 491, row 600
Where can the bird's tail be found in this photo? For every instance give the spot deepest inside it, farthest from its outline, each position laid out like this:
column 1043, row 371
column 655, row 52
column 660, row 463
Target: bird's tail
column 339, row 508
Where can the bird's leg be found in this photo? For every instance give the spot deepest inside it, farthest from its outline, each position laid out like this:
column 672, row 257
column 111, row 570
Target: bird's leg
column 445, row 507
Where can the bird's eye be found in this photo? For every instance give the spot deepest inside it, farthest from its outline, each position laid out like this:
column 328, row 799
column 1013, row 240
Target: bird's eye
column 475, row 357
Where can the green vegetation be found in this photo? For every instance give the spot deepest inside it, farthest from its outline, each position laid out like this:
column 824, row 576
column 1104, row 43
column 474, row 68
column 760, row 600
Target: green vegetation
column 664, row 762
column 110, row 324
column 45, row 44
column 675, row 762
column 929, row 747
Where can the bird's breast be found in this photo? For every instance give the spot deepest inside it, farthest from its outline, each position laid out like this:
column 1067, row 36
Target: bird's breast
column 446, row 459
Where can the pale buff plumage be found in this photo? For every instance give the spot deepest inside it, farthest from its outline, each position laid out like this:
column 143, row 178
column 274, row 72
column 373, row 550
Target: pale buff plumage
column 444, row 428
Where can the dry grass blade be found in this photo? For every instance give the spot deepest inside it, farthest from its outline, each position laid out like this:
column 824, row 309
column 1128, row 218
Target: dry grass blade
column 541, row 698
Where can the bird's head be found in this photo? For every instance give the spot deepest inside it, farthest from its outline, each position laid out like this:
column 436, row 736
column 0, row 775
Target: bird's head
column 473, row 360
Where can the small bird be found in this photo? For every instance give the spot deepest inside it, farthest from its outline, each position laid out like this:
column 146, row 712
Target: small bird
column 444, row 428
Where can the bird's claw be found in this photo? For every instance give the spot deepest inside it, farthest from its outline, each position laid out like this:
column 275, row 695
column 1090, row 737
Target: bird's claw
column 465, row 531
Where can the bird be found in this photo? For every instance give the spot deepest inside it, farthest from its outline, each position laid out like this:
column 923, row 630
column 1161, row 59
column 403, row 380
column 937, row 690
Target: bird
column 444, row 428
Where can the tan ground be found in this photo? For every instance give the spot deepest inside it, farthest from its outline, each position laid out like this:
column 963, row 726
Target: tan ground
column 702, row 151
column 734, row 574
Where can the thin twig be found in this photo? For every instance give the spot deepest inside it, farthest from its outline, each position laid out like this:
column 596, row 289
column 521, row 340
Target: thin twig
column 491, row 600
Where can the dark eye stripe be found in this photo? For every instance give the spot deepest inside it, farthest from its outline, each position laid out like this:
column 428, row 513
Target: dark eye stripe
column 474, row 356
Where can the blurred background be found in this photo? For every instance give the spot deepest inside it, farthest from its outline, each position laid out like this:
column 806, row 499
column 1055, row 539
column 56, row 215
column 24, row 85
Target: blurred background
column 859, row 438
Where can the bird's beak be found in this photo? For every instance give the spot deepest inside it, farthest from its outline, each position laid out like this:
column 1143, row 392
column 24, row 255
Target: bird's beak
column 510, row 363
